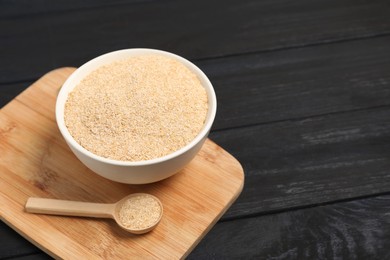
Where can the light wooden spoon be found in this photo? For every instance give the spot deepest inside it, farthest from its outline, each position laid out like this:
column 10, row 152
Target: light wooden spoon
column 139, row 215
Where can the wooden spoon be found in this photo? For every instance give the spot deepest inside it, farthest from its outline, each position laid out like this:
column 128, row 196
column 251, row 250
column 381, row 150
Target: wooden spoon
column 137, row 213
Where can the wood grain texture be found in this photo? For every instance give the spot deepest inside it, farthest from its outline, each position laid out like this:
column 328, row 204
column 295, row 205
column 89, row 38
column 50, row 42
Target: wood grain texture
column 303, row 90
column 268, row 87
column 305, row 162
column 70, row 34
column 298, row 83
column 350, row 230
column 36, row 162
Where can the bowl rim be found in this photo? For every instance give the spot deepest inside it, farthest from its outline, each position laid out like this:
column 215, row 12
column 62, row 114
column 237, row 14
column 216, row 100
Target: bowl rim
column 71, row 81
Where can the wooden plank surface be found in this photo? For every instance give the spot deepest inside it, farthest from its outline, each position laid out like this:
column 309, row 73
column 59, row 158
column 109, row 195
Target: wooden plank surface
column 309, row 86
column 300, row 83
column 356, row 229
column 36, row 162
column 72, row 33
column 348, row 230
column 303, row 90
column 305, row 162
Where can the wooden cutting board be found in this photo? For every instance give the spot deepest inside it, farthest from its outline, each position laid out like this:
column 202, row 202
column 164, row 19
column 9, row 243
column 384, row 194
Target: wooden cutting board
column 35, row 161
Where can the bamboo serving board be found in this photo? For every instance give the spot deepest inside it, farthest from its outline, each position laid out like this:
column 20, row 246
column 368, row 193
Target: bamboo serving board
column 36, row 162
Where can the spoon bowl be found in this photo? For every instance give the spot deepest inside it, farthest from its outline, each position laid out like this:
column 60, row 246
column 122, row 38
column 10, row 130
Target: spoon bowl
column 148, row 210
column 137, row 213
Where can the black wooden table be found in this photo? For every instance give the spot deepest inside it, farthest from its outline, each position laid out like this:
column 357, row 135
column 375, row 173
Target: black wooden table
column 304, row 104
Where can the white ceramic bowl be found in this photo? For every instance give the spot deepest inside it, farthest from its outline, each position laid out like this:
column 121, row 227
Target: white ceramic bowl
column 142, row 171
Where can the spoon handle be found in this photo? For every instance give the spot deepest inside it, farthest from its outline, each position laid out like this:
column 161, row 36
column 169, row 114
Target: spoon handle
column 69, row 208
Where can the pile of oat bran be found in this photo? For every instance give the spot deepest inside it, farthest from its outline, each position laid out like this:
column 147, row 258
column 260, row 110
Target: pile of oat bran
column 136, row 109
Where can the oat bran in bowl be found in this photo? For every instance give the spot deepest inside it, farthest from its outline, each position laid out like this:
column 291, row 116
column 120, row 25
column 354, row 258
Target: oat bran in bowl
column 136, row 115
